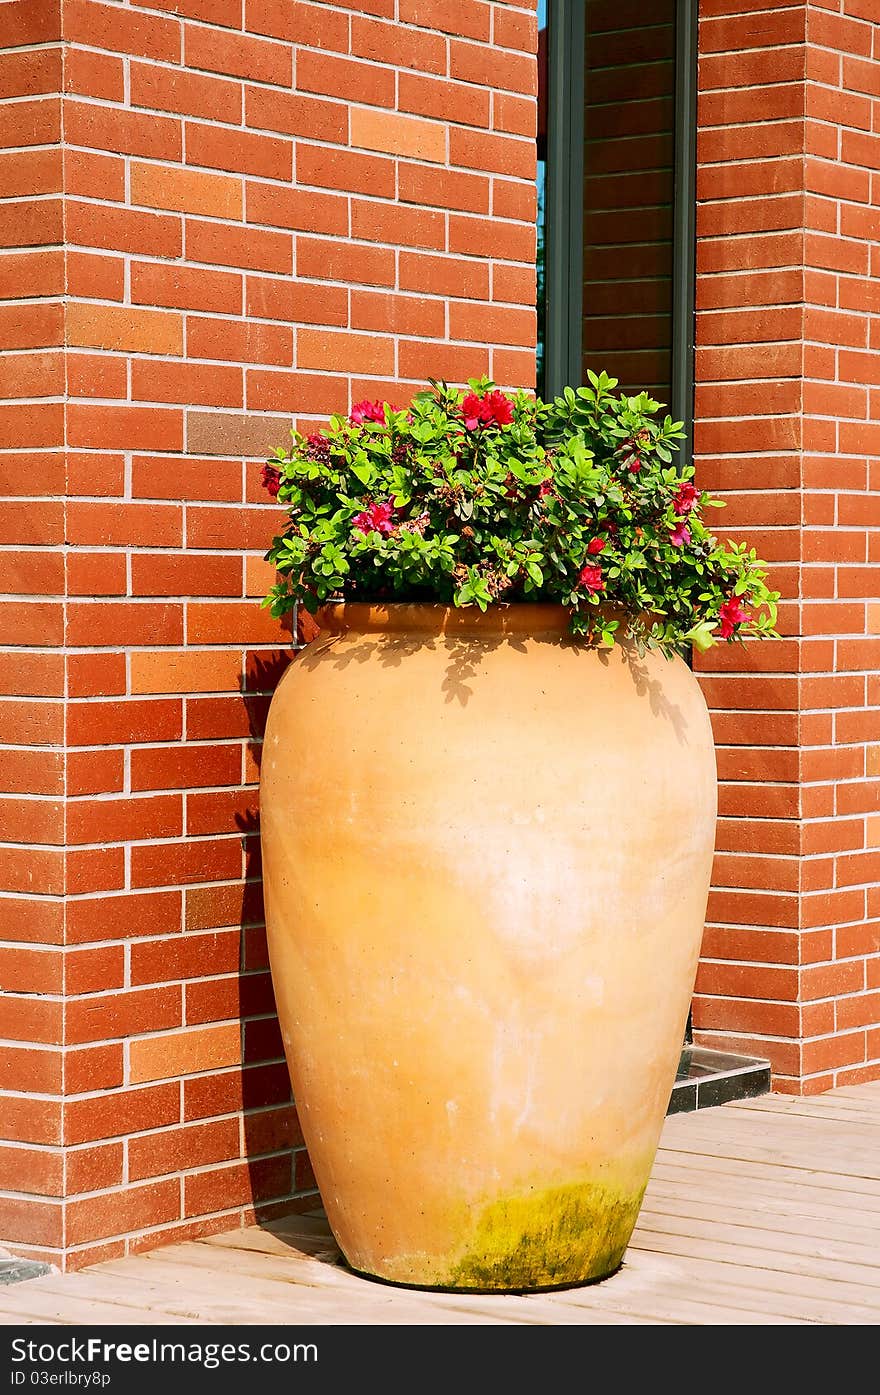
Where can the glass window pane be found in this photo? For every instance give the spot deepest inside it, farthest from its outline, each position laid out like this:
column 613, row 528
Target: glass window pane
column 629, row 172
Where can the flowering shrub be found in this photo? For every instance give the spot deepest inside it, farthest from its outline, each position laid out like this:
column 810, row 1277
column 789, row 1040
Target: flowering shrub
column 480, row 497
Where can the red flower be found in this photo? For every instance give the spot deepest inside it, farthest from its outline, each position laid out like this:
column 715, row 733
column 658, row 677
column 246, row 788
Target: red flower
column 271, row 480
column 471, row 410
column 634, row 463
column 545, row 489
column 680, row 535
column 377, row 518
column 500, row 407
column 596, row 545
column 367, row 411
column 492, row 409
column 686, row 498
column 591, row 579
column 732, row 614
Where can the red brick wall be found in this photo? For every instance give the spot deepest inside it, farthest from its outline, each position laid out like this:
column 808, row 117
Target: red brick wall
column 786, row 409
column 32, row 663
column 271, row 207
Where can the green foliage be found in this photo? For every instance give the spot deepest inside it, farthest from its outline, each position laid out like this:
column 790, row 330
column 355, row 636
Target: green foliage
column 481, row 498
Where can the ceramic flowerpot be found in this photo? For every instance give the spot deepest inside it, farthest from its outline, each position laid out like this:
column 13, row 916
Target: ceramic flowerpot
column 486, row 854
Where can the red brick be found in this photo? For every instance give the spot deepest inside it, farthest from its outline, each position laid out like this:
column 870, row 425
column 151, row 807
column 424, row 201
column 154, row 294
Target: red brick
column 296, row 115
column 94, row 1169
column 407, row 227
column 498, row 154
column 128, row 132
column 187, row 383
column 124, row 428
column 31, row 122
column 444, row 276
column 91, row 74
column 93, row 276
column 32, row 272
column 23, row 674
column 123, row 1014
column 303, row 210
column 245, row 152
column 377, row 42
column 178, row 1149
column 340, row 261
column 332, row 168
column 115, row 1213
column 317, row 26
column 105, row 723
column 132, row 622
column 443, row 100
column 187, row 93
column 183, row 957
column 277, row 298
column 470, row 18
column 396, row 314
column 237, row 1184
column 37, row 1171
column 121, row 31
column 173, row 864
column 238, row 55
column 95, row 869
column 169, row 477
column 29, row 1221
column 28, row 172
column 248, row 248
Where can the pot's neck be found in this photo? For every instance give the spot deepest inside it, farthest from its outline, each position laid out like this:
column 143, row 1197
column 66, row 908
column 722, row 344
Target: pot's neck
column 432, row 619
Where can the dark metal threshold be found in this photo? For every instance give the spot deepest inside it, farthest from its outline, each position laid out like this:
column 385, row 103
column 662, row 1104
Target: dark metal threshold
column 706, row 1078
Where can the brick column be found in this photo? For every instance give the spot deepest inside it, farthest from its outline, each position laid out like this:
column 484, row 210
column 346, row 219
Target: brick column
column 786, row 410
column 270, row 208
column 32, row 664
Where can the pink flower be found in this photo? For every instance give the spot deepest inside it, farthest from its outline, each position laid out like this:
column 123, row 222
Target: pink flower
column 731, row 614
column 492, row 409
column 367, row 411
column 595, row 545
column 591, row 579
column 377, row 518
column 271, row 480
column 680, row 535
column 686, row 498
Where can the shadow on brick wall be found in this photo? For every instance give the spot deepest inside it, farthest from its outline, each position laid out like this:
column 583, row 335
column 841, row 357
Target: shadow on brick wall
column 277, row 1162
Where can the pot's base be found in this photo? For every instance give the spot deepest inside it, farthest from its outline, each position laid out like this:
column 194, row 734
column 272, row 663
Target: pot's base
column 529, row 1241
column 521, row 1291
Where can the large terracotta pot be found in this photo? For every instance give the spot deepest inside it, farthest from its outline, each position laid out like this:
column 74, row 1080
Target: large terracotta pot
column 486, row 853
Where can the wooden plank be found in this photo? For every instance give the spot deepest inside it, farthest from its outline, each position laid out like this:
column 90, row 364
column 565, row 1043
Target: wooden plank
column 757, row 1178
column 816, row 1132
column 340, row 1286
column 65, row 1304
column 847, row 1163
column 719, row 1204
column 770, row 1272
column 815, row 1106
column 782, row 1293
column 836, row 1259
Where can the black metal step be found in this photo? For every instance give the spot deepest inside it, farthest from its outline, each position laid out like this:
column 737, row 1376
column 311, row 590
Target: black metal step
column 706, row 1078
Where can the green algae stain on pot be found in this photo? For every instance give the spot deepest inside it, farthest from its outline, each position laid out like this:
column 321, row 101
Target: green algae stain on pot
column 566, row 1235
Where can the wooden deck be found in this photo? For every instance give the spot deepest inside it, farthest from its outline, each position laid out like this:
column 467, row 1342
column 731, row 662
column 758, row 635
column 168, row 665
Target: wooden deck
column 761, row 1211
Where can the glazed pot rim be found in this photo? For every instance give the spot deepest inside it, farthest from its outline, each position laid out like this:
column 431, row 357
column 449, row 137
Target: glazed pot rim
column 433, row 617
